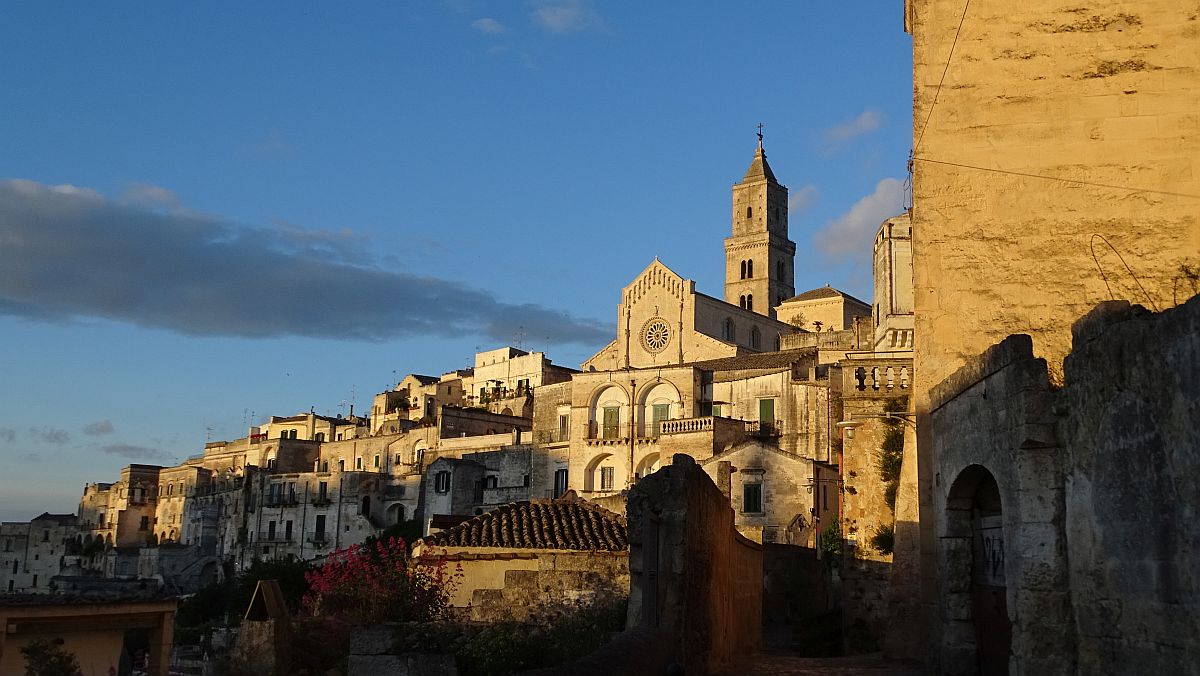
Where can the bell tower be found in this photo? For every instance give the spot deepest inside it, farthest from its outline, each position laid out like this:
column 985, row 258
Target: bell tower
column 759, row 257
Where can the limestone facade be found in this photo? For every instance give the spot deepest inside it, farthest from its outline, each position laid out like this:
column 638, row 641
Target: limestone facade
column 1055, row 153
column 892, row 264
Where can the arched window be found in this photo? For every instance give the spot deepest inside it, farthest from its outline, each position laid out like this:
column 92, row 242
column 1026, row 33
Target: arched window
column 742, row 302
column 743, row 270
column 778, row 340
column 755, row 339
column 749, row 301
column 366, row 506
column 749, row 212
column 728, row 330
column 780, row 270
column 750, row 269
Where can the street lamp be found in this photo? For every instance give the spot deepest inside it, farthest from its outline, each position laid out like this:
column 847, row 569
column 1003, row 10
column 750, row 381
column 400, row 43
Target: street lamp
column 852, row 421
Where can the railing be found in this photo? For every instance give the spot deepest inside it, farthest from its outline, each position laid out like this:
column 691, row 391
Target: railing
column 321, row 501
column 686, row 425
column 268, row 536
column 318, row 538
column 598, row 431
column 552, row 436
column 764, row 428
column 878, row 376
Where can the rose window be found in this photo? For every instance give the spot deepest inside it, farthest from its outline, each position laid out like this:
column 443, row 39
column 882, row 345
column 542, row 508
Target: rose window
column 656, row 335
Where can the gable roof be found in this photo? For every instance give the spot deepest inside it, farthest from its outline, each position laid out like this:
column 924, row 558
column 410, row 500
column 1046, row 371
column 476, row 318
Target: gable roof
column 540, row 524
column 824, row 292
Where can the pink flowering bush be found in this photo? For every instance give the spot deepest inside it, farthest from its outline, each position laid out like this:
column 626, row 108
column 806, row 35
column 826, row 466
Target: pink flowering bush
column 381, row 584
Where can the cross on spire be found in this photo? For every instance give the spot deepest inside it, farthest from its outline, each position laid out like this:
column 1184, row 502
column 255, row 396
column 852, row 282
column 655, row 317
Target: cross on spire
column 760, row 128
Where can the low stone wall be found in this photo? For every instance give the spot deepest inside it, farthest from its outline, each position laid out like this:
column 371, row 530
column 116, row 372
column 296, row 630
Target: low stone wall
column 372, row 654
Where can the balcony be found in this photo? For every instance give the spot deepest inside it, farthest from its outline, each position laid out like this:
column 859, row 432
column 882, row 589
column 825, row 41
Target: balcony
column 321, row 501
column 600, row 434
column 268, row 536
column 552, row 436
column 872, row 374
column 765, row 429
column 686, row 425
column 317, row 538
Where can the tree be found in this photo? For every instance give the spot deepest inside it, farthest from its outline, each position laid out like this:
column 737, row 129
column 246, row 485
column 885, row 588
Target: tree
column 45, row 657
column 366, row 586
column 290, row 574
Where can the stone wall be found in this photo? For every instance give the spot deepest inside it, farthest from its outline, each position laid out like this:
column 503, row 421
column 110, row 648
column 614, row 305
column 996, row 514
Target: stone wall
column 1092, row 553
column 501, row 584
column 690, row 571
column 1055, row 155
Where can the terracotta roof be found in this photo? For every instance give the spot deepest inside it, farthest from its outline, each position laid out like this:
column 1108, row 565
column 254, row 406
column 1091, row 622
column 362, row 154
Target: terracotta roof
column 540, row 524
column 762, row 360
column 824, row 292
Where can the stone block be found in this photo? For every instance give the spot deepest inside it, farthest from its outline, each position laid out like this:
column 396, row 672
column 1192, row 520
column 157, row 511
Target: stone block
column 372, row 640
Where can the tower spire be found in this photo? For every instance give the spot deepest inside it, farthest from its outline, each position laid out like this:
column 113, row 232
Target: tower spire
column 760, row 128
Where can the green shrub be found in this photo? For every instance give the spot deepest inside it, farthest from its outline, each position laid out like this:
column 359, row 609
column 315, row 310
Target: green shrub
column 45, row 657
column 884, row 539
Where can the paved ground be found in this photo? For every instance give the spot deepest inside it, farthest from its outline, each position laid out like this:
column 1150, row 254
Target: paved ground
column 782, row 664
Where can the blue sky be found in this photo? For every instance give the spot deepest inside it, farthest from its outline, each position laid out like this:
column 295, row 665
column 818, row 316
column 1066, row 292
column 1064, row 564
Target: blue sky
column 213, row 212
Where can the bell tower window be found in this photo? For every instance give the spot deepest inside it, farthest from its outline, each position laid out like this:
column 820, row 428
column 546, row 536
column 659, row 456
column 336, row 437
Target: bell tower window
column 750, row 301
column 750, row 269
column 749, row 212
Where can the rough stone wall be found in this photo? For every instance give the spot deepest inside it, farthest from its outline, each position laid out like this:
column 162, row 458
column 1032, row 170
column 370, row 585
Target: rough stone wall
column 1096, row 483
column 706, row 587
column 1104, row 95
column 785, row 515
column 557, row 578
column 1133, row 402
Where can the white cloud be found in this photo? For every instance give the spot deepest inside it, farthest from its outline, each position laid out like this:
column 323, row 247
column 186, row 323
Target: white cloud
column 833, row 138
column 489, row 25
column 800, row 200
column 565, row 16
column 852, row 232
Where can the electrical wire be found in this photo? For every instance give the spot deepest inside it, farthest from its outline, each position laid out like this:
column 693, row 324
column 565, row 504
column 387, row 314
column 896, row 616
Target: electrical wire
column 1056, row 178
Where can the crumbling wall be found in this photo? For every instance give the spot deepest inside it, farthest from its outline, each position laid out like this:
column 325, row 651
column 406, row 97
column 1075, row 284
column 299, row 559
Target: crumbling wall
column 690, row 571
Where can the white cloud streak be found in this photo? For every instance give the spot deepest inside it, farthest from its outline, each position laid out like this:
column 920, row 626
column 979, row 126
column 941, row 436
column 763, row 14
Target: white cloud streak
column 853, row 232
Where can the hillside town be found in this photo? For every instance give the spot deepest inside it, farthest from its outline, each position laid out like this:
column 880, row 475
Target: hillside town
column 987, row 467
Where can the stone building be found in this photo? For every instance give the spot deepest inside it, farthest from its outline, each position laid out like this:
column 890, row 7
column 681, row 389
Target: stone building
column 531, row 555
column 1054, row 168
column 33, row 552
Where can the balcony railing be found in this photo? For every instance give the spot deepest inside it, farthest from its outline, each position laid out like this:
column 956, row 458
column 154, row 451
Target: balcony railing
column 552, row 436
column 599, row 432
column 878, row 377
column 764, row 428
column 321, row 501
column 318, row 538
column 686, row 425
column 277, row 536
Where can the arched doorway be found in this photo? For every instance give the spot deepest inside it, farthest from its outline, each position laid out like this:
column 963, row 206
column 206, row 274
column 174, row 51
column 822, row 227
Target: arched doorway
column 366, row 506
column 974, row 513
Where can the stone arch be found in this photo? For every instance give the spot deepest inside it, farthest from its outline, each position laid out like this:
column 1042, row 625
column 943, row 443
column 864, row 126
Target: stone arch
column 592, row 475
column 649, row 464
column 506, row 411
column 395, row 514
column 659, row 400
column 600, row 420
column 972, row 566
